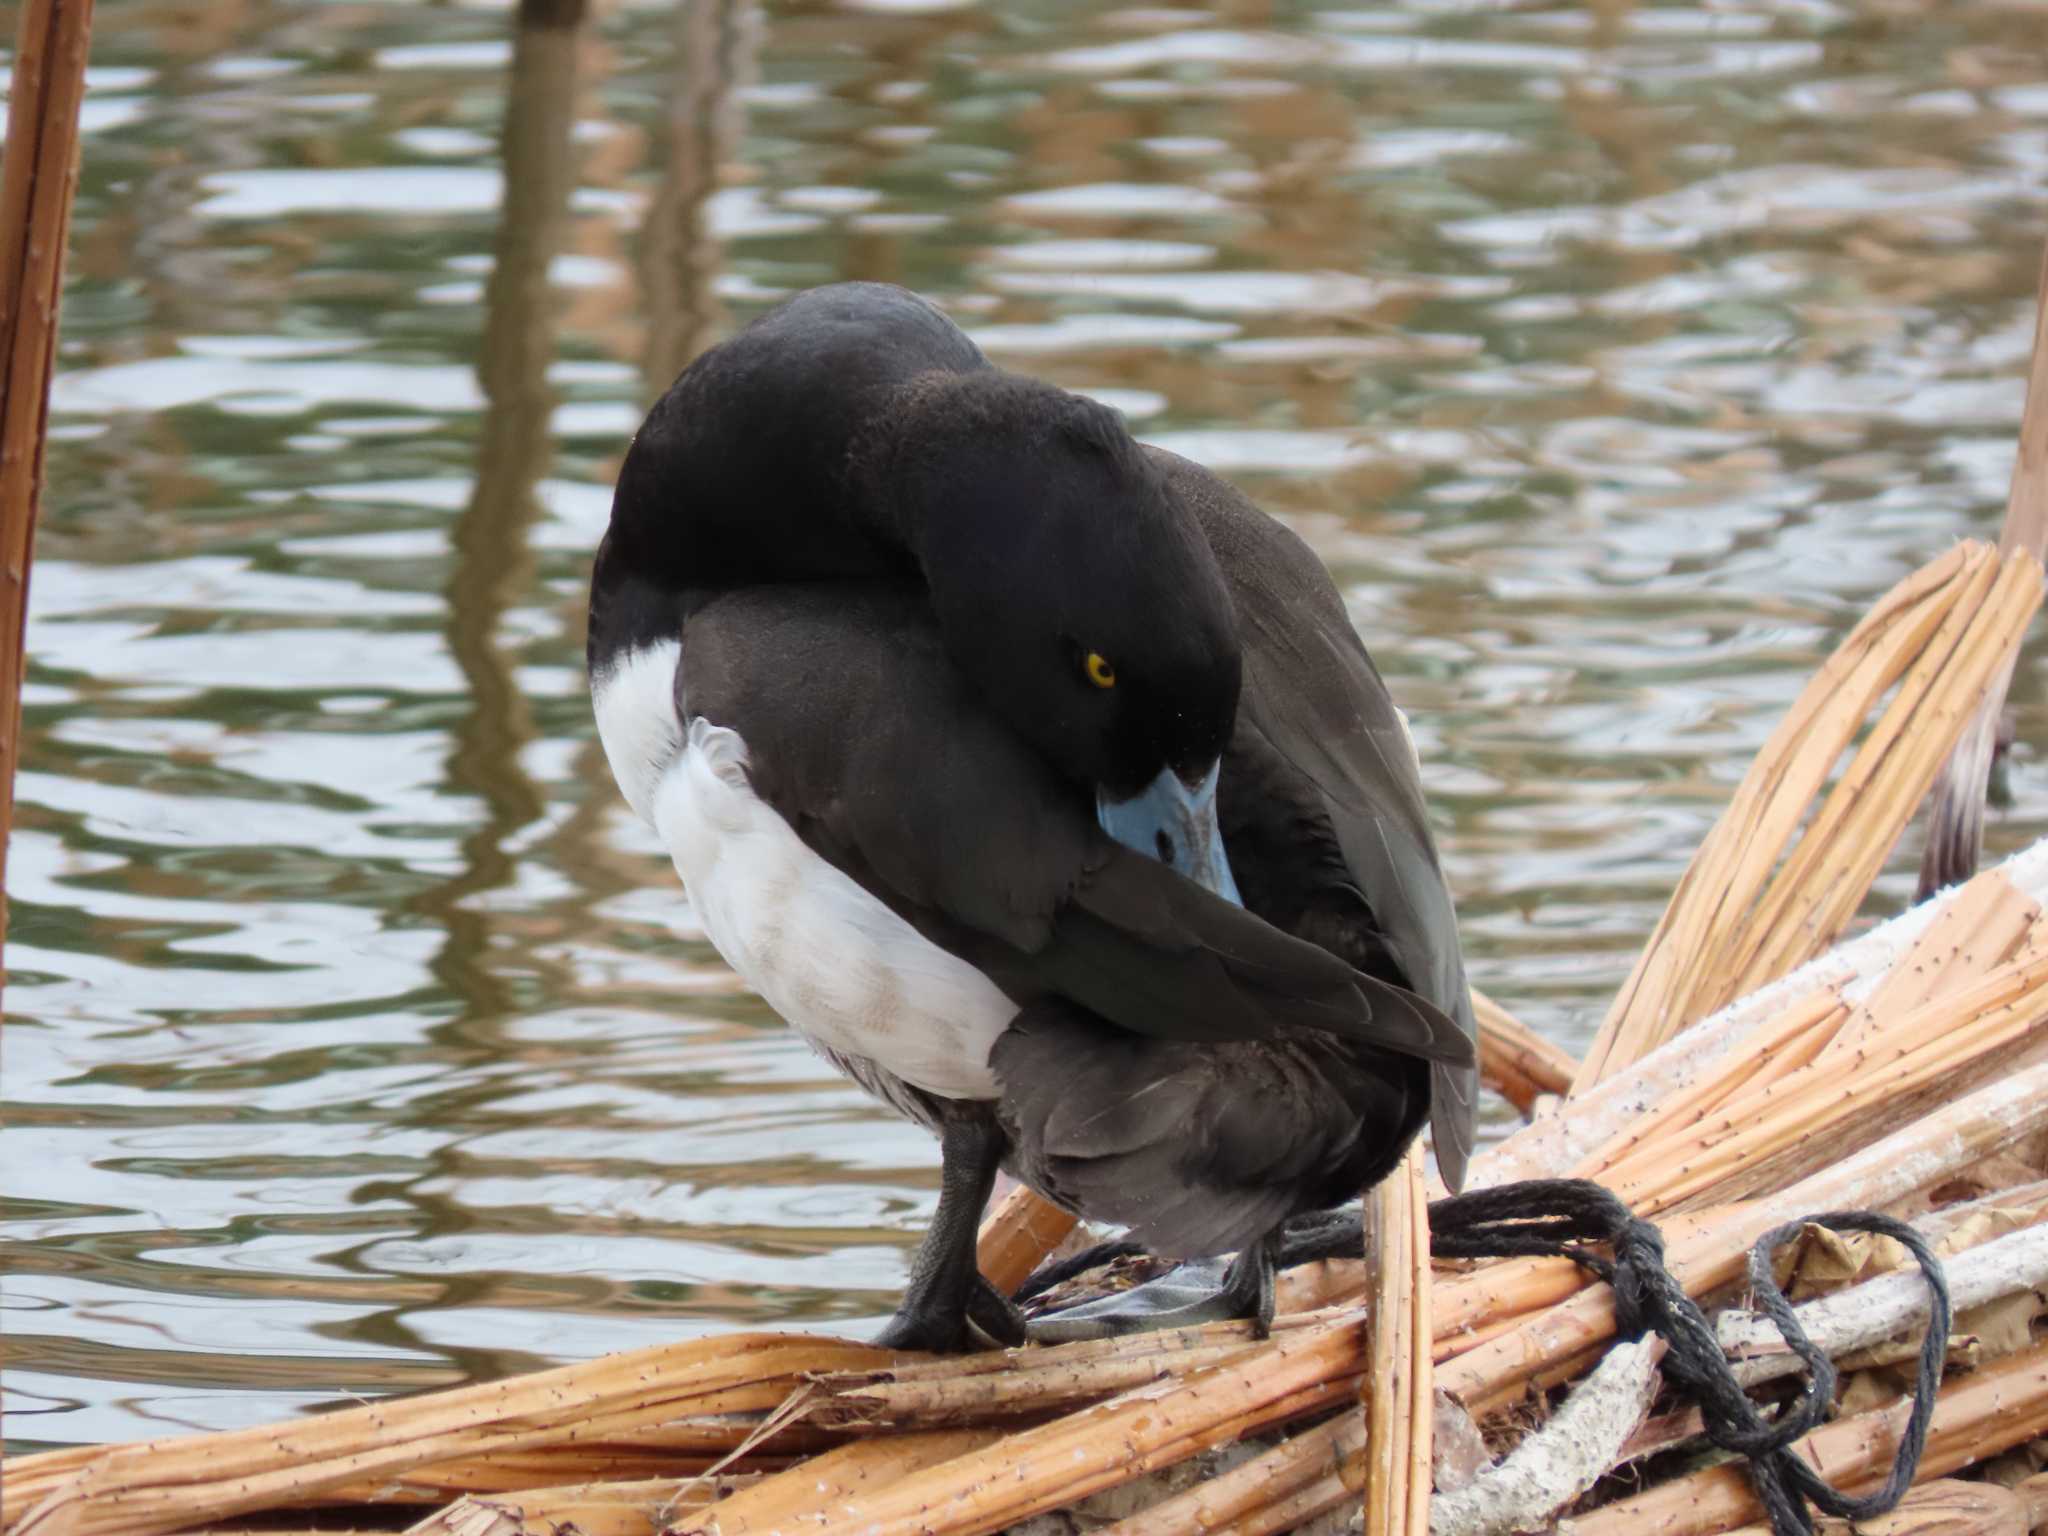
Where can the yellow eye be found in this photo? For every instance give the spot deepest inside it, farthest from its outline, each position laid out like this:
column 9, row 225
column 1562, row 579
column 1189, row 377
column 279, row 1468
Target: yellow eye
column 1099, row 671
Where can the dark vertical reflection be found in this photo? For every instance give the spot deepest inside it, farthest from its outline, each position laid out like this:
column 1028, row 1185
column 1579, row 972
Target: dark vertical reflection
column 493, row 563
column 493, row 568
column 717, row 42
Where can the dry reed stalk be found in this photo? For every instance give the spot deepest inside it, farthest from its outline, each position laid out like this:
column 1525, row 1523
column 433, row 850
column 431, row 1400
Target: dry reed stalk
column 1944, row 1507
column 1548, row 1346
column 1399, row 1388
column 1819, row 1111
column 1832, row 867
column 1921, row 653
column 738, row 1391
column 1819, row 1013
column 1265, row 1481
column 1978, row 929
column 163, row 1485
column 592, row 1509
column 908, row 1369
column 2034, row 1490
column 1728, row 872
column 794, row 1499
column 579, row 1461
column 1471, row 1305
column 1036, row 1381
column 1017, row 1235
column 1955, row 815
column 1604, row 1116
column 1327, row 1493
column 1387, row 1451
column 1296, row 1373
column 1321, row 1283
column 1516, row 1062
column 38, row 175
column 1496, row 1295
column 1939, row 636
column 1976, row 1416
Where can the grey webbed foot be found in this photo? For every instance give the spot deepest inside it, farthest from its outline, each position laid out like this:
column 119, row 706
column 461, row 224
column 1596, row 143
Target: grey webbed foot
column 1201, row 1291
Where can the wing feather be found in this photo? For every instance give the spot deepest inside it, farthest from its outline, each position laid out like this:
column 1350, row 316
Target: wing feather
column 886, row 765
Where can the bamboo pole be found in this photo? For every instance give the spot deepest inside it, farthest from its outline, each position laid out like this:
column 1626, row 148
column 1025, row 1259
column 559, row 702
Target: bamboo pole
column 1955, row 815
column 38, row 176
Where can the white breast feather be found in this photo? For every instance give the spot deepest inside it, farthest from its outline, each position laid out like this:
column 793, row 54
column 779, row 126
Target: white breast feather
column 823, row 953
column 634, row 700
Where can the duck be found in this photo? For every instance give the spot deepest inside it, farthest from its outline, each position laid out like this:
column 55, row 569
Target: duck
column 1041, row 782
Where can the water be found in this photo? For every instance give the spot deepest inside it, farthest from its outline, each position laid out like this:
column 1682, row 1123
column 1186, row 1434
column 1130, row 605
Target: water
column 1614, row 358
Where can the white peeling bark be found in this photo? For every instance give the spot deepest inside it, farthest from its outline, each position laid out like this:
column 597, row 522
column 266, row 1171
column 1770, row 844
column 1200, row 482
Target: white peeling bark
column 1564, row 1458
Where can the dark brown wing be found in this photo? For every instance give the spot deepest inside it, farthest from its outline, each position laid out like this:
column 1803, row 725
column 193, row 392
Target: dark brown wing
column 1321, row 745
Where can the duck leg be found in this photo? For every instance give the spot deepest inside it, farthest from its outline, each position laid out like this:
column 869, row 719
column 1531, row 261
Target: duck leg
column 947, row 1299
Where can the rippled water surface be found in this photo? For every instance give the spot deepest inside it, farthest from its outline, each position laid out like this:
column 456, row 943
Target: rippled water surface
column 1613, row 357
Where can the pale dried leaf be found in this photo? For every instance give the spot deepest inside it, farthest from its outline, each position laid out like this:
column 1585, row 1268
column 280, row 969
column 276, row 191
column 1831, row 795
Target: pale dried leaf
column 2005, row 1326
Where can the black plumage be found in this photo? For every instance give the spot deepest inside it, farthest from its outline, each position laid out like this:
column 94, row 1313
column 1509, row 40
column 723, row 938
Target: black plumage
column 890, row 567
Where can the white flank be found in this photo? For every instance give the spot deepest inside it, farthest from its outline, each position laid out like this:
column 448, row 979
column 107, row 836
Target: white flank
column 635, row 704
column 828, row 957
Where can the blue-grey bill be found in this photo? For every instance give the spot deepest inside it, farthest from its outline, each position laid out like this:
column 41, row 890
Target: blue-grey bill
column 1175, row 823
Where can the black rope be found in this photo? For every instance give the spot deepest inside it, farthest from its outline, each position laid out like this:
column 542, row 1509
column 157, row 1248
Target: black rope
column 1571, row 1218
column 1494, row 1223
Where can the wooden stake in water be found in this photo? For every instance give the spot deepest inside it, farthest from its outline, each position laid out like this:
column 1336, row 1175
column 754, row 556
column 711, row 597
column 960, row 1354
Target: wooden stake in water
column 37, row 177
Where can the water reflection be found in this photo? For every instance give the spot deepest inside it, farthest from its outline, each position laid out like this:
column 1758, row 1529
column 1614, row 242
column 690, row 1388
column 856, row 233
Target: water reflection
column 493, row 570
column 1613, row 356
column 681, row 258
